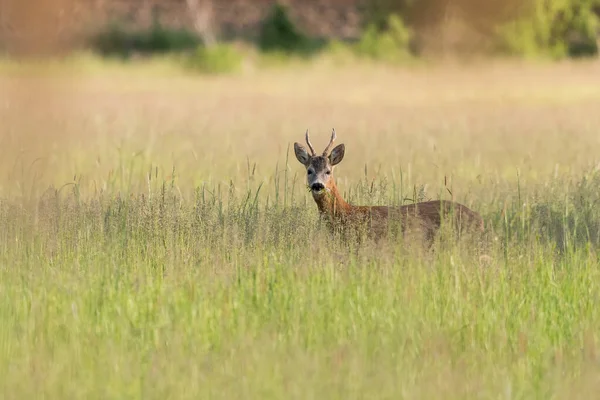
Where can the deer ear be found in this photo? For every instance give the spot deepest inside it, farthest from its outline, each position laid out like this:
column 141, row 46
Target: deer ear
column 337, row 154
column 301, row 154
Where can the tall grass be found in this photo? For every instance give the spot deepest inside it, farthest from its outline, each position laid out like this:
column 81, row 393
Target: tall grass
column 156, row 239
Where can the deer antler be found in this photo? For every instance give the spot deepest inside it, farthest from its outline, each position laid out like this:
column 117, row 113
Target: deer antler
column 330, row 143
column 310, row 145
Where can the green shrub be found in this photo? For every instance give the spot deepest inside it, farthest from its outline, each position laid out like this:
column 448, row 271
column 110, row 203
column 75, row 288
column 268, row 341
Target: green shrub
column 556, row 28
column 391, row 44
column 377, row 12
column 528, row 38
column 581, row 32
column 340, row 51
column 221, row 58
column 117, row 40
column 279, row 34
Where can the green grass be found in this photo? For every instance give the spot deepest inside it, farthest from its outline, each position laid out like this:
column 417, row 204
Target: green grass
column 178, row 253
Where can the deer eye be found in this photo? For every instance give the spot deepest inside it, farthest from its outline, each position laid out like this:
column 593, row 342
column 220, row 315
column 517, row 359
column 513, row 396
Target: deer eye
column 310, row 171
column 328, row 172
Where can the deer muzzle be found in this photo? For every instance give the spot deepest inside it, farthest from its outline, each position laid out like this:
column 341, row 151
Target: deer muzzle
column 317, row 187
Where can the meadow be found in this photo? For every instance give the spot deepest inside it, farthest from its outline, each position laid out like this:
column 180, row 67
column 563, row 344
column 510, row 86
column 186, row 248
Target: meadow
column 157, row 238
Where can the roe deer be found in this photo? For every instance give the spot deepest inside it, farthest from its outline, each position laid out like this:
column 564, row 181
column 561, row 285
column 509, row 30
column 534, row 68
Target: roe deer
column 426, row 217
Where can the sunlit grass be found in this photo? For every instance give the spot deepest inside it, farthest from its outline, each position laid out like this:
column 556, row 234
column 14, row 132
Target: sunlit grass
column 157, row 239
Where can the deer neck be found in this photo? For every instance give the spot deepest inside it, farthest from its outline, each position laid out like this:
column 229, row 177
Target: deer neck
column 331, row 203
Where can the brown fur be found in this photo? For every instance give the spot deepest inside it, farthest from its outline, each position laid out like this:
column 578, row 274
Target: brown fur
column 423, row 218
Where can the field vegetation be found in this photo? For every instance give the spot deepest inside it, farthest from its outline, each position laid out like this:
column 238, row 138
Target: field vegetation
column 157, row 238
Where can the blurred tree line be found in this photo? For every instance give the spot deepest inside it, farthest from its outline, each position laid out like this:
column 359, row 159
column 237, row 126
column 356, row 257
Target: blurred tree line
column 394, row 30
column 400, row 29
column 555, row 28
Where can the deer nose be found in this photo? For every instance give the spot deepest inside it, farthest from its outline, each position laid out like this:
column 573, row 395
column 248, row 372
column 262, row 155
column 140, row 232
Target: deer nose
column 317, row 186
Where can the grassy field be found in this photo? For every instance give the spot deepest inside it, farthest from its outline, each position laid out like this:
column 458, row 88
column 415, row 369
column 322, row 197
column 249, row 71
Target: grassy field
column 157, row 239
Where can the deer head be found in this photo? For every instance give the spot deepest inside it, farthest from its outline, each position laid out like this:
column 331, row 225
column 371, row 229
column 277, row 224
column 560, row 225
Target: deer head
column 319, row 168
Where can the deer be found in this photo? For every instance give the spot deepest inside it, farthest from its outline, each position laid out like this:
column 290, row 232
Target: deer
column 423, row 218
